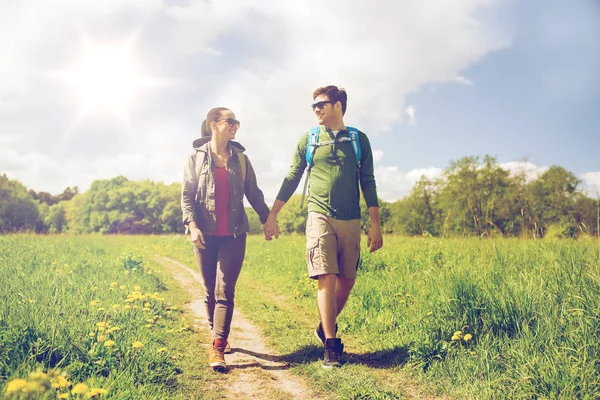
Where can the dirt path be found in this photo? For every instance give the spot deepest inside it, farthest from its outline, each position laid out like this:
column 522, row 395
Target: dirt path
column 255, row 370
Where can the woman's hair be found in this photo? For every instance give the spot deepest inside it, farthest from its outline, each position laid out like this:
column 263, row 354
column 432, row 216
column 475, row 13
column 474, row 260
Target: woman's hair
column 213, row 115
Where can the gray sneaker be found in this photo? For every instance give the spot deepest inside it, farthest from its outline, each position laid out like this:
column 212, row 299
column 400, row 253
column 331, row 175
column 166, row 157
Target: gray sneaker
column 320, row 334
column 334, row 349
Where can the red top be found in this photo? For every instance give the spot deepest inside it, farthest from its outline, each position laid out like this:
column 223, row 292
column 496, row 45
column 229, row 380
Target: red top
column 221, row 202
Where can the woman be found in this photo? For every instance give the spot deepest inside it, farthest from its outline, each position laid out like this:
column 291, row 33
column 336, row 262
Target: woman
column 216, row 177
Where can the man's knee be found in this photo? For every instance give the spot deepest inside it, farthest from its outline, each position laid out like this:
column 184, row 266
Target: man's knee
column 327, row 281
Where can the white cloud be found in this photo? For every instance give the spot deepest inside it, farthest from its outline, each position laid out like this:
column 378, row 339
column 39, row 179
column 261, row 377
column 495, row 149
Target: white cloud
column 463, row 80
column 410, row 112
column 592, row 181
column 271, row 56
column 393, row 184
column 528, row 169
column 377, row 155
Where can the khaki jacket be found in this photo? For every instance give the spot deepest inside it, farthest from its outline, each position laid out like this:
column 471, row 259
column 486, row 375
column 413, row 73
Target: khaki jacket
column 198, row 189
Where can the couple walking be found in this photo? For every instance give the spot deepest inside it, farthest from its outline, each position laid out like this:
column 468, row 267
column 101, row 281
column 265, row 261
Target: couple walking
column 217, row 176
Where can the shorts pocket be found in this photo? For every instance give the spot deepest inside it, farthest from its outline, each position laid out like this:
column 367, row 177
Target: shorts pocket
column 313, row 254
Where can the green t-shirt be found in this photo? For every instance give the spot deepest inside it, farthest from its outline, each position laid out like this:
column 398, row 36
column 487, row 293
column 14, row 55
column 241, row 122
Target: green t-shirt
column 334, row 176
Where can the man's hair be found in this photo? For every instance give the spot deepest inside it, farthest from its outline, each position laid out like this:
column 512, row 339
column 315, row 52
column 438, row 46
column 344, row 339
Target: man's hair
column 334, row 94
column 213, row 115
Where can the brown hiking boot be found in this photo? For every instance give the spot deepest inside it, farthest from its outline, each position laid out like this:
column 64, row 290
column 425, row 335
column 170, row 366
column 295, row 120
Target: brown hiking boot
column 334, row 349
column 217, row 357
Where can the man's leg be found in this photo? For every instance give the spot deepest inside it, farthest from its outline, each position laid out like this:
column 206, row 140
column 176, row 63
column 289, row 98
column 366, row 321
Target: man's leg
column 342, row 291
column 326, row 301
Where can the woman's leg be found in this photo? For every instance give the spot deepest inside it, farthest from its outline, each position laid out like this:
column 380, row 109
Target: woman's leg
column 206, row 259
column 230, row 258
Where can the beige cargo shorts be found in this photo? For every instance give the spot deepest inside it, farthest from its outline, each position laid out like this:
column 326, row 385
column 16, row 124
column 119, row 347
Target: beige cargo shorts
column 332, row 246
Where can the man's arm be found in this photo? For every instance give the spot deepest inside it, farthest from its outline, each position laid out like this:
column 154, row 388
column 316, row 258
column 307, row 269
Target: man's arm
column 369, row 189
column 288, row 187
column 374, row 238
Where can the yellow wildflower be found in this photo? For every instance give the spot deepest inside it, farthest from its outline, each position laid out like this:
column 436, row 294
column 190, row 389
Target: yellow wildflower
column 94, row 288
column 150, row 320
column 60, row 382
column 138, row 345
column 15, row 385
column 109, row 343
column 80, row 388
column 126, row 307
column 101, row 309
column 92, row 334
column 122, row 287
column 116, row 307
column 429, row 313
column 455, row 338
column 458, row 333
column 162, row 350
column 37, row 375
column 63, row 396
column 467, row 337
column 101, row 338
column 32, row 301
column 94, row 392
column 137, row 288
column 94, row 303
column 113, row 284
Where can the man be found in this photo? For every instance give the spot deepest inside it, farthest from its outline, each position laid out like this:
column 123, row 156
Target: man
column 333, row 223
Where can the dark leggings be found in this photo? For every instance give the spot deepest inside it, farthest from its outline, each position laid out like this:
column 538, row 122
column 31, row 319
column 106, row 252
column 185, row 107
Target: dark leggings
column 220, row 264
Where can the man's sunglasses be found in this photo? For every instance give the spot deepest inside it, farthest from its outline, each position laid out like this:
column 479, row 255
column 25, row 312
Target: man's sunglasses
column 231, row 122
column 320, row 104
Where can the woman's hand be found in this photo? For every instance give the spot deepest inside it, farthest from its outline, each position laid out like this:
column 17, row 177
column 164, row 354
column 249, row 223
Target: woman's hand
column 271, row 228
column 197, row 237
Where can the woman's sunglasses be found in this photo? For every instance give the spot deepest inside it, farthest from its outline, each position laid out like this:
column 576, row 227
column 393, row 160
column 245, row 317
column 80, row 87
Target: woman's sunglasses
column 231, row 122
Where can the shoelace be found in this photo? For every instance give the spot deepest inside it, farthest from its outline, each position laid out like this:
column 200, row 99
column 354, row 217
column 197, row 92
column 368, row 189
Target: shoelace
column 217, row 354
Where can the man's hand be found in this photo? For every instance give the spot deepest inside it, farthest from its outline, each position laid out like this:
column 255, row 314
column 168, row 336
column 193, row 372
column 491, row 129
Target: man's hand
column 271, row 228
column 374, row 239
column 197, row 238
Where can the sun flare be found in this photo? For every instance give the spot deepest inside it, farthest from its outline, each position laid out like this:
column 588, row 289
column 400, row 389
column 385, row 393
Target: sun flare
column 106, row 79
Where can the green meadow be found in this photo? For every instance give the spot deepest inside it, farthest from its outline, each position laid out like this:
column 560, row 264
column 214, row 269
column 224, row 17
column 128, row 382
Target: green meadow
column 455, row 318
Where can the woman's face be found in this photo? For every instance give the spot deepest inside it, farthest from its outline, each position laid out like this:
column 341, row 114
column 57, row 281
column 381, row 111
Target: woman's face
column 226, row 126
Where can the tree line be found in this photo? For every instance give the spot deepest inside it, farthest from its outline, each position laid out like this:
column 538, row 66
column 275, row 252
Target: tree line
column 473, row 197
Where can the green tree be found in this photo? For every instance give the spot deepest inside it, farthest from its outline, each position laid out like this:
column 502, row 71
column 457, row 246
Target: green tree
column 18, row 211
column 418, row 213
column 292, row 219
column 552, row 201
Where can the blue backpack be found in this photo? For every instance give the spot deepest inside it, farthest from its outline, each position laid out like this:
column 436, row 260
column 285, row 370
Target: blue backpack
column 313, row 143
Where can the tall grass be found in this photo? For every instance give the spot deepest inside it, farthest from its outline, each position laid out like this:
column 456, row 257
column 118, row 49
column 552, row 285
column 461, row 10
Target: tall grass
column 88, row 311
column 477, row 318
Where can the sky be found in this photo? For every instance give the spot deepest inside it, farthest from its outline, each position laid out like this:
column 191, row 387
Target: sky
column 93, row 90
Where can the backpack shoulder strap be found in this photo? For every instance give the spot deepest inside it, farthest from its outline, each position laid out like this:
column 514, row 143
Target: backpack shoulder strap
column 311, row 144
column 355, row 142
column 242, row 160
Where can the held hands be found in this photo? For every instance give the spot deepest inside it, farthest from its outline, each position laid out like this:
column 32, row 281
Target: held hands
column 197, row 238
column 374, row 239
column 271, row 228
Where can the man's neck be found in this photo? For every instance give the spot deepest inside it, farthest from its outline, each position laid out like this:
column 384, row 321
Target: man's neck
column 336, row 126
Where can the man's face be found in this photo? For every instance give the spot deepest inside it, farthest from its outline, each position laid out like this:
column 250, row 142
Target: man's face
column 324, row 109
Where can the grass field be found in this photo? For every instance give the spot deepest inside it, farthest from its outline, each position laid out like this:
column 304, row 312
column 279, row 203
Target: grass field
column 462, row 318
